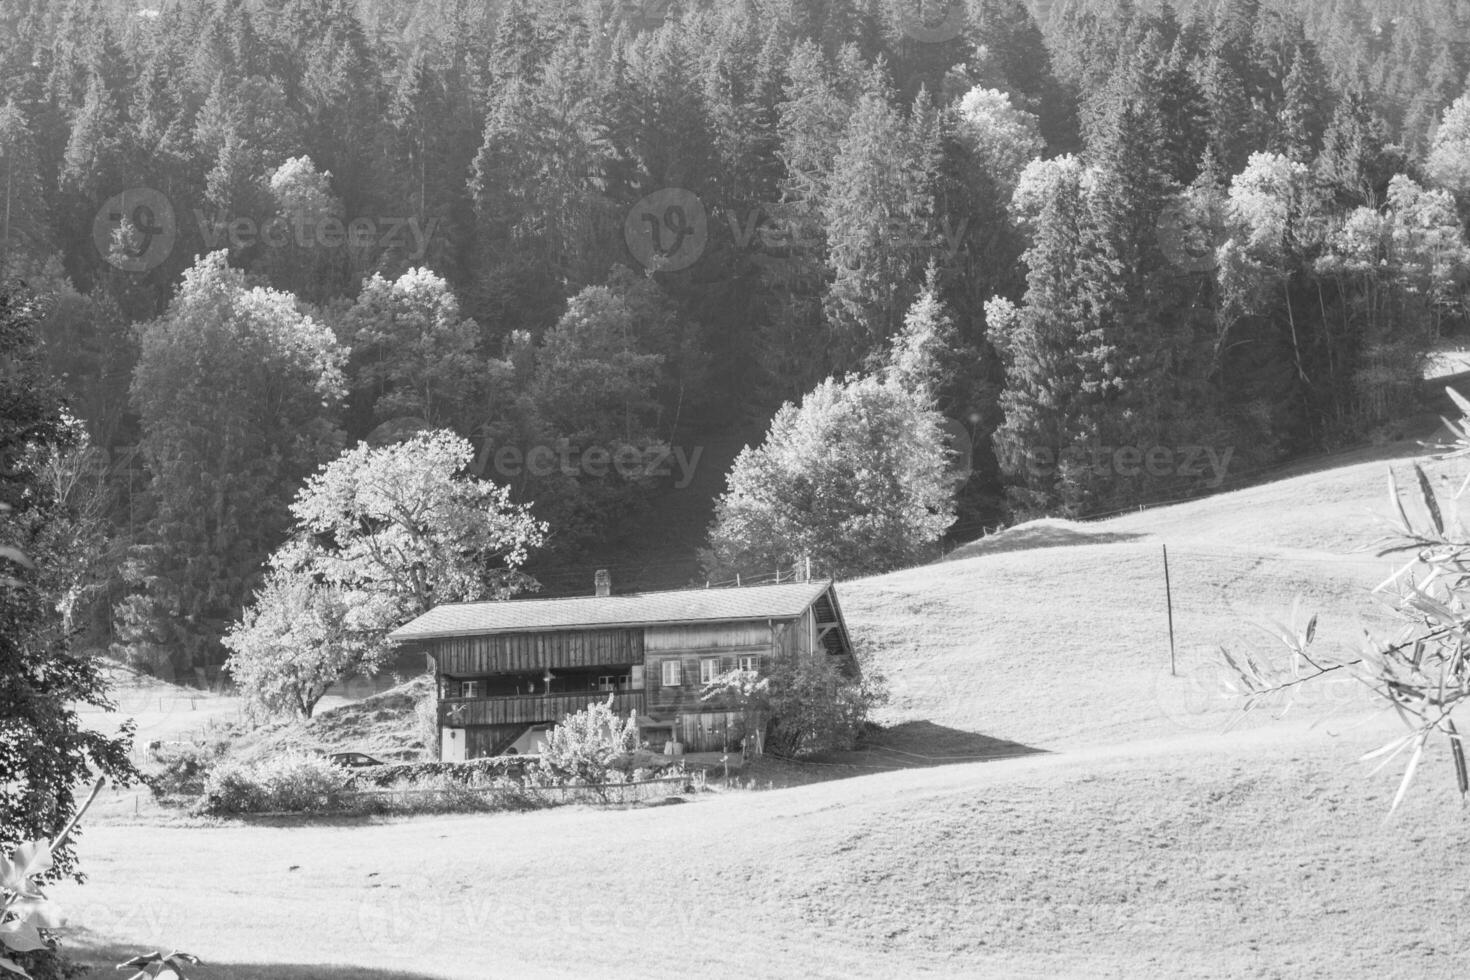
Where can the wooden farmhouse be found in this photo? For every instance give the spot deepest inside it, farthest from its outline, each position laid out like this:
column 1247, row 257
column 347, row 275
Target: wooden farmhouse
column 506, row 672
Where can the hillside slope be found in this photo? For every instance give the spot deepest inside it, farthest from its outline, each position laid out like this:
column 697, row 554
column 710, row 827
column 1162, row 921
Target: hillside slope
column 1056, row 634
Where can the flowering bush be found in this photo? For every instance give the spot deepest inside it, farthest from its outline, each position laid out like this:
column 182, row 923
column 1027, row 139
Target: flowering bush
column 584, row 745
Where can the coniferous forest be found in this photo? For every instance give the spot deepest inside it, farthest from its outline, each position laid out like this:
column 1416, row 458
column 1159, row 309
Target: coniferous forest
column 261, row 232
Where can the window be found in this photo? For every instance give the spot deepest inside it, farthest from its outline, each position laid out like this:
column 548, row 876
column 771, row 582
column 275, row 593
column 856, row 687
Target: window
column 673, row 676
column 611, row 682
column 751, row 663
column 709, row 669
column 469, row 689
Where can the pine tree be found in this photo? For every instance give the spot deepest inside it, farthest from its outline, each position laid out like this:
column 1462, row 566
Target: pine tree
column 236, row 390
column 1301, row 124
column 24, row 229
column 878, row 215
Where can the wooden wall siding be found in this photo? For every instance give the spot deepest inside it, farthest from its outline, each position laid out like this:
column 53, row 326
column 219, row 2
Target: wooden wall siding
column 715, row 636
column 469, row 656
column 666, row 701
column 712, row 731
column 530, row 709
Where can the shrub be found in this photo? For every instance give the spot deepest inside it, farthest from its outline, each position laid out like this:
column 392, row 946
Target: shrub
column 445, row 794
column 583, row 746
column 296, row 783
column 182, row 770
column 814, row 708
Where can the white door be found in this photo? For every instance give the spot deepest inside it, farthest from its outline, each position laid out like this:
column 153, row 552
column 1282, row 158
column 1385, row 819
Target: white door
column 452, row 749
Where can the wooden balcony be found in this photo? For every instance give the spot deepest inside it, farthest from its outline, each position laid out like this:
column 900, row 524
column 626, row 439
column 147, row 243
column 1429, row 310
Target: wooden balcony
column 529, row 708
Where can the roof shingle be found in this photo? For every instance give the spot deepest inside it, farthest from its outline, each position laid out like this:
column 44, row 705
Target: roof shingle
column 640, row 609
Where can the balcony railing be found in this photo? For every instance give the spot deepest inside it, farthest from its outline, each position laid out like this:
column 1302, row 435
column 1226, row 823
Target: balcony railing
column 529, row 708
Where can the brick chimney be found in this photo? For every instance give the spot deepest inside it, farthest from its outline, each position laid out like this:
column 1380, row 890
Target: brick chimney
column 603, row 582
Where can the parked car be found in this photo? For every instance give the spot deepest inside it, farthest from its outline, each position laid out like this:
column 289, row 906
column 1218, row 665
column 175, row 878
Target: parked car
column 354, row 760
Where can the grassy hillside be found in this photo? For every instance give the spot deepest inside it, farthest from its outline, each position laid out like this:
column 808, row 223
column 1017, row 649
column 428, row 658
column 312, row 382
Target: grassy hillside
column 1055, row 634
column 1238, row 856
column 1136, row 841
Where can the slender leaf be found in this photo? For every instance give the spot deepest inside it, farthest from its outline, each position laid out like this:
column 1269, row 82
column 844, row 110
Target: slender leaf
column 1457, row 751
column 1408, row 774
column 1430, row 502
column 1398, row 505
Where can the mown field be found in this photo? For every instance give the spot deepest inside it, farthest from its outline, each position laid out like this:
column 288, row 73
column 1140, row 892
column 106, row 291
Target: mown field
column 1116, row 832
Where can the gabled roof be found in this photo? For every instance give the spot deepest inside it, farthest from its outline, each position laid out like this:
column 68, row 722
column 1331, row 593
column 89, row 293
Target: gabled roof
column 603, row 612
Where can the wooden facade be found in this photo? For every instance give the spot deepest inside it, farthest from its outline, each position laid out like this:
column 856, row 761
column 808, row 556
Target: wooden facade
column 517, row 681
column 529, row 709
column 507, row 653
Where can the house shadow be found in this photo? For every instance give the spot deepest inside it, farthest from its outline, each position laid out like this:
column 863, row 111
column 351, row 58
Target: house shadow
column 101, row 960
column 911, row 745
column 1047, row 533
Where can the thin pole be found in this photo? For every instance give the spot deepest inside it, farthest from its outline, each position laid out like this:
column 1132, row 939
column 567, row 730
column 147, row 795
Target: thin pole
column 1169, row 598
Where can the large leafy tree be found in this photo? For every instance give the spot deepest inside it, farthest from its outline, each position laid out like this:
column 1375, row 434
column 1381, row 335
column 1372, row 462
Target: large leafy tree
column 382, row 534
column 414, row 354
column 856, row 478
column 45, row 751
column 236, row 389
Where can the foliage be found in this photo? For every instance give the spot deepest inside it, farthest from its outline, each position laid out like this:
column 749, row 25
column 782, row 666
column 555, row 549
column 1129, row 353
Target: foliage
column 235, row 388
column 1423, row 672
column 289, row 782
column 1002, row 138
column 160, row 966
column 383, row 534
column 583, row 746
column 44, row 747
column 1449, row 159
column 496, row 157
column 293, row 643
column 854, row 478
column 414, row 355
column 28, row 918
column 815, row 708
column 181, row 770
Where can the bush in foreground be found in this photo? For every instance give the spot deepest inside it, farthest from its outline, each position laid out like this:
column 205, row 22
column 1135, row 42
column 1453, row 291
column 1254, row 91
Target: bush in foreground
column 294, row 783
